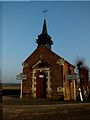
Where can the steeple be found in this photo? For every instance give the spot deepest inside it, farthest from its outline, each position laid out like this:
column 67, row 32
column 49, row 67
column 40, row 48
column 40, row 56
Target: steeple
column 44, row 38
column 44, row 30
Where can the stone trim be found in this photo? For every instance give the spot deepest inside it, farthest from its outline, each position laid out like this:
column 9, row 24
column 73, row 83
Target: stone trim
column 48, row 89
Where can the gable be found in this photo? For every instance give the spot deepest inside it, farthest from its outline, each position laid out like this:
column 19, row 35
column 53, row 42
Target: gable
column 40, row 64
column 45, row 54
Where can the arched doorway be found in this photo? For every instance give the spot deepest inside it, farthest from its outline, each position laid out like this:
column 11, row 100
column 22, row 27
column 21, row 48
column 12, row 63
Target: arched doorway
column 41, row 85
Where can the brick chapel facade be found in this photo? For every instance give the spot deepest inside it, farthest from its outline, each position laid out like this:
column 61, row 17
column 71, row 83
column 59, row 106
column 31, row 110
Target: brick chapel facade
column 46, row 73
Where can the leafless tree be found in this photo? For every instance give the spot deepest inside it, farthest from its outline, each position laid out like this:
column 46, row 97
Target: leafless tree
column 83, row 71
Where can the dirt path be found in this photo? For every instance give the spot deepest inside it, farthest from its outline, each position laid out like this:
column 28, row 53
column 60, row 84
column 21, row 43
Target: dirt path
column 47, row 112
column 14, row 109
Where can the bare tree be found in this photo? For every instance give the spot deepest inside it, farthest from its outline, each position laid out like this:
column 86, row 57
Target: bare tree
column 83, row 71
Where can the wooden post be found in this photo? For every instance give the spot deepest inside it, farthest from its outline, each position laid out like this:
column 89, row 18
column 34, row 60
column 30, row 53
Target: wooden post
column 21, row 91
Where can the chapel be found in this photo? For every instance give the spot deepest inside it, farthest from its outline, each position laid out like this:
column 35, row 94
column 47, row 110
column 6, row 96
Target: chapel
column 47, row 72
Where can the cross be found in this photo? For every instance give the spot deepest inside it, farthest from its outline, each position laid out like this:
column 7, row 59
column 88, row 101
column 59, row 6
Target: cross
column 44, row 11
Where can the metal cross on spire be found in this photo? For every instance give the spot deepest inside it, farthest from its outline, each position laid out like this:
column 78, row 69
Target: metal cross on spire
column 45, row 11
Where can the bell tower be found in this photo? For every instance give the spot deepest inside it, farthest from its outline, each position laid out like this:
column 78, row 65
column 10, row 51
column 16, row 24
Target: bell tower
column 44, row 38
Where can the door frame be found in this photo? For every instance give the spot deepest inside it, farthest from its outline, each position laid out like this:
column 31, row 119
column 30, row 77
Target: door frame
column 48, row 83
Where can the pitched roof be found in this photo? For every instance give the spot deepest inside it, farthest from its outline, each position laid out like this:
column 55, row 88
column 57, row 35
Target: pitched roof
column 43, row 50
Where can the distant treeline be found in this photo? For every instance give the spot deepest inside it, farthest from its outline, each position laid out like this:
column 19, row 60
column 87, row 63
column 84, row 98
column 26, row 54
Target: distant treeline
column 11, row 89
column 10, row 92
column 9, row 84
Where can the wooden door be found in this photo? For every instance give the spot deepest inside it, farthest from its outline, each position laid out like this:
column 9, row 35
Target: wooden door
column 41, row 85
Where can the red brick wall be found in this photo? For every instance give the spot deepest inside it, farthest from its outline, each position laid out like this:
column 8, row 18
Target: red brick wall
column 56, row 71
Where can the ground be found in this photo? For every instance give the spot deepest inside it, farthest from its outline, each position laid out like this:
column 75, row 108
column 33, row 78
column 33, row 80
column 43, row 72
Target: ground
column 15, row 109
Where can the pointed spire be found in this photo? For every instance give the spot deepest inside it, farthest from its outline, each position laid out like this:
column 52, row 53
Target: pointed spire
column 44, row 30
column 44, row 38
